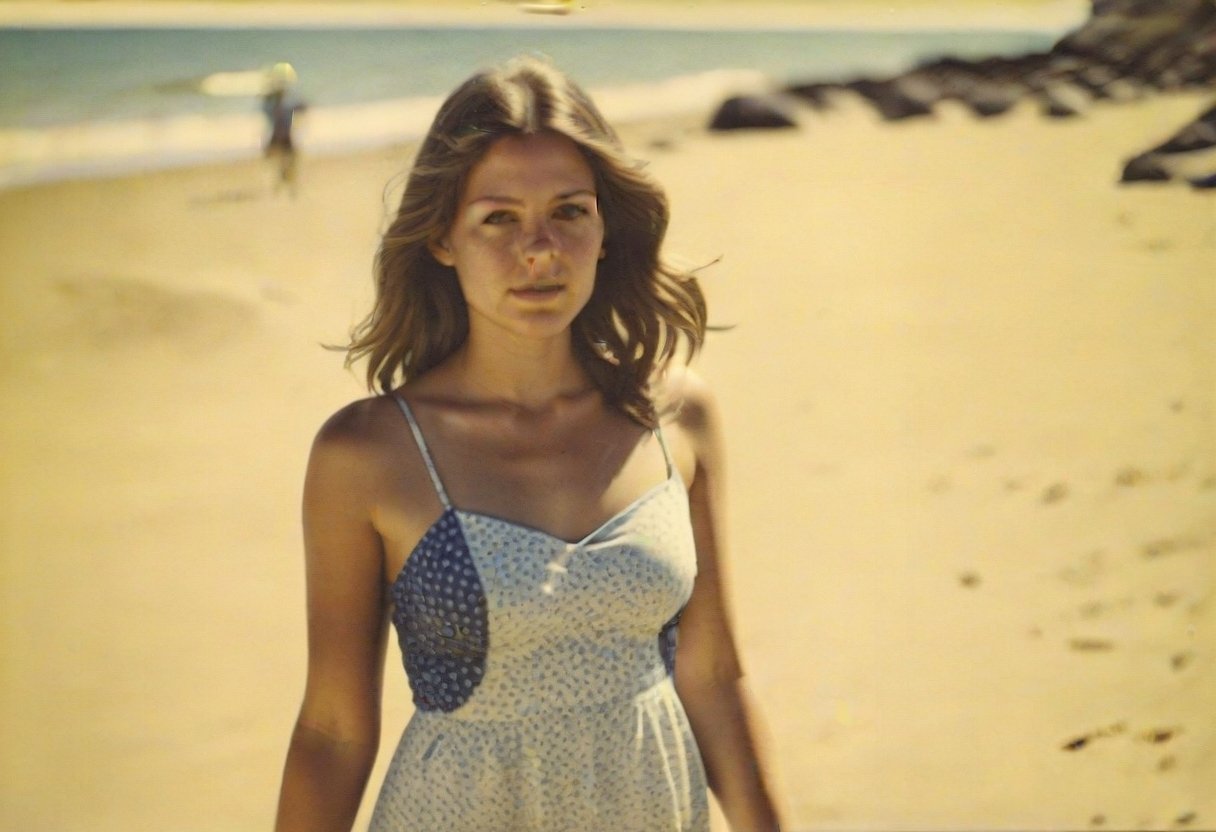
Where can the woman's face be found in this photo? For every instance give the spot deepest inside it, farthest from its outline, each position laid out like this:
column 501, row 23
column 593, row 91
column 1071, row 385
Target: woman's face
column 527, row 236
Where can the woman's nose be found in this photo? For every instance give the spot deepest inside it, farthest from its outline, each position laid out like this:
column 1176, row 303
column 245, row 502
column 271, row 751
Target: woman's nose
column 538, row 242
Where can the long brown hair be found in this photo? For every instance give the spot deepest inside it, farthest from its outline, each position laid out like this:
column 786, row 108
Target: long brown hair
column 640, row 308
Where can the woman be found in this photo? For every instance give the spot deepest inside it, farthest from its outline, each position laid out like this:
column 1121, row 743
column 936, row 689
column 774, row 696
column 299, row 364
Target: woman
column 513, row 504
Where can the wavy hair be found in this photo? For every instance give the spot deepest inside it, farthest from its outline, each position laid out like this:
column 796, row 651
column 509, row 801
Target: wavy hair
column 640, row 308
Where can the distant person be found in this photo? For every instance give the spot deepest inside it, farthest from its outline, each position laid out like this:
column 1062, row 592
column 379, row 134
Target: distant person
column 280, row 104
column 532, row 500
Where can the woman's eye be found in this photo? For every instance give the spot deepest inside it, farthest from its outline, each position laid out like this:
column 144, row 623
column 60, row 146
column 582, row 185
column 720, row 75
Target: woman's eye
column 571, row 211
column 497, row 217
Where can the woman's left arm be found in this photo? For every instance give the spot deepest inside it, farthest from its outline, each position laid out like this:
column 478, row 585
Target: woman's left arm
column 708, row 674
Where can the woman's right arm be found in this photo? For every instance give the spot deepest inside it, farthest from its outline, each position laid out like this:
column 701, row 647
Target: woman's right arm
column 337, row 732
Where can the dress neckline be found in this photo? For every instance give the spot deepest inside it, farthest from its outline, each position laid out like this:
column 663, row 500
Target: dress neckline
column 566, row 547
column 645, row 497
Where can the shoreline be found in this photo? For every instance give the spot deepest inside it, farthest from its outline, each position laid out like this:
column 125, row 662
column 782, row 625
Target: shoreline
column 687, row 101
column 73, row 152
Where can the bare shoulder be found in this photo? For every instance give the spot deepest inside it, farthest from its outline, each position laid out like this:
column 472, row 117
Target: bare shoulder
column 355, row 425
column 687, row 402
column 353, row 441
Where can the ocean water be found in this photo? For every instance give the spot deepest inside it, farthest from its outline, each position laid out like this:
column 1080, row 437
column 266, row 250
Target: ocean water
column 78, row 102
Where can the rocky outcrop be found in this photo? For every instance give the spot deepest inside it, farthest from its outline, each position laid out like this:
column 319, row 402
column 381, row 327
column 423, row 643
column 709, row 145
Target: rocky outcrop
column 1127, row 49
column 752, row 111
column 1165, row 44
column 1189, row 154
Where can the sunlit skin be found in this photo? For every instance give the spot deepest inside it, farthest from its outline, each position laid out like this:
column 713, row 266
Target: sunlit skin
column 526, row 238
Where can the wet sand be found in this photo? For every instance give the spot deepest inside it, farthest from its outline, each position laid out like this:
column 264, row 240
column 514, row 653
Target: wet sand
column 970, row 404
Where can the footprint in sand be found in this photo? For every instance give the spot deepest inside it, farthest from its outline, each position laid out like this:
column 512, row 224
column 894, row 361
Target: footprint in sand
column 1165, row 599
column 1168, row 546
column 1153, row 736
column 1159, row 736
column 1130, row 476
column 981, row 451
column 1087, row 572
column 1178, row 472
column 1112, row 730
column 1055, row 493
column 1091, row 609
column 1096, row 607
column 1180, row 661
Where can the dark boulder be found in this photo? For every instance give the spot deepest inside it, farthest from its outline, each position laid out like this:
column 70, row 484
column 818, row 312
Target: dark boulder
column 1189, row 154
column 989, row 98
column 891, row 100
column 1200, row 134
column 745, row 112
column 1144, row 168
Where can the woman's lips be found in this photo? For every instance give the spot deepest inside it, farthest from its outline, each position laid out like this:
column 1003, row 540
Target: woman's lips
column 540, row 292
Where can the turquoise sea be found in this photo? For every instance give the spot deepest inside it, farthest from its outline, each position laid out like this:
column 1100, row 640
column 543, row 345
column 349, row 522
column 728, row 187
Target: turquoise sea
column 90, row 101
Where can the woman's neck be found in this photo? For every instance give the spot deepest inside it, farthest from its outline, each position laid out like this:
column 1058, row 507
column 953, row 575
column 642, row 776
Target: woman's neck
column 528, row 374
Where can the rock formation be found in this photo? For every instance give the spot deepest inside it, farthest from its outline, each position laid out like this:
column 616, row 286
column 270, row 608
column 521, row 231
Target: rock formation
column 752, row 111
column 1125, row 50
column 1189, row 154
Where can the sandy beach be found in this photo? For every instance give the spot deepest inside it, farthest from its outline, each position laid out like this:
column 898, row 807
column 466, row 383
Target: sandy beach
column 970, row 394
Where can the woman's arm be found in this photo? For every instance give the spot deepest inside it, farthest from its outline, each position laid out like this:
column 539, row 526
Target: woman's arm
column 708, row 675
column 337, row 732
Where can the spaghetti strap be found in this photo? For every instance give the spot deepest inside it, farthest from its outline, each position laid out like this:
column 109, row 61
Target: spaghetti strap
column 426, row 453
column 658, row 433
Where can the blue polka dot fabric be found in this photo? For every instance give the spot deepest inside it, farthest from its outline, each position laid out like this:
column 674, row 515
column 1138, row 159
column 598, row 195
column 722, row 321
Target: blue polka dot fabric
column 439, row 609
column 540, row 672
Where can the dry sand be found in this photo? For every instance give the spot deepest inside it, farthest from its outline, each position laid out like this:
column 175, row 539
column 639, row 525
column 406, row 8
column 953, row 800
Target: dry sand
column 970, row 400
